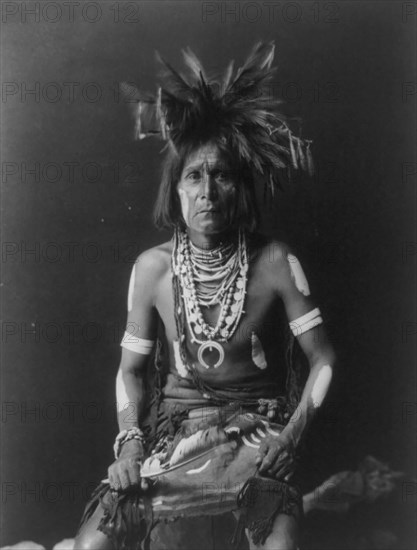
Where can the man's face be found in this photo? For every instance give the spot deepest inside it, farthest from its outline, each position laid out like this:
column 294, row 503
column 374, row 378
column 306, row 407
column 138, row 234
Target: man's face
column 207, row 191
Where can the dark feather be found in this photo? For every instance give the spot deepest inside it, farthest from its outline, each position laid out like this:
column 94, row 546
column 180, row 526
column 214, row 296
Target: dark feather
column 228, row 75
column 256, row 69
column 194, row 64
column 172, row 78
column 232, row 106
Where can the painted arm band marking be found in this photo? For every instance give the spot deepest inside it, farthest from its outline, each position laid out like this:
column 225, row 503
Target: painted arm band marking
column 321, row 385
column 138, row 345
column 131, row 290
column 306, row 322
column 298, row 275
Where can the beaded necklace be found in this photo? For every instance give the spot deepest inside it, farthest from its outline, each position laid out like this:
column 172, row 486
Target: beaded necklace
column 179, row 280
column 213, row 272
column 206, row 278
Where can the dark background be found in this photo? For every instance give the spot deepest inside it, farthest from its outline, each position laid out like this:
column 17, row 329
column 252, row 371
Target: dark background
column 348, row 70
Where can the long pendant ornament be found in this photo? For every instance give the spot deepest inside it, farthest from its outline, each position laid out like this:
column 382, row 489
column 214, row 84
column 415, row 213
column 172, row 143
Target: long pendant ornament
column 210, row 344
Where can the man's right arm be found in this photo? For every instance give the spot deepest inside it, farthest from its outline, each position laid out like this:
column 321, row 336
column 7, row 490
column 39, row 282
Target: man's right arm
column 137, row 344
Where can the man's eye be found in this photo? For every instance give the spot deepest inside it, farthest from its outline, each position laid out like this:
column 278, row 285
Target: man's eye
column 224, row 177
column 194, row 176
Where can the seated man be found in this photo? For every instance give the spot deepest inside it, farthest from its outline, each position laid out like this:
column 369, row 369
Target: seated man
column 217, row 428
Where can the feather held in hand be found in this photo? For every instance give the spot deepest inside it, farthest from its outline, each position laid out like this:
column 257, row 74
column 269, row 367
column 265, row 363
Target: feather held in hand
column 195, row 108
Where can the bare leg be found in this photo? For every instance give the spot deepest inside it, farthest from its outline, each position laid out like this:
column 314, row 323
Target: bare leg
column 90, row 538
column 284, row 534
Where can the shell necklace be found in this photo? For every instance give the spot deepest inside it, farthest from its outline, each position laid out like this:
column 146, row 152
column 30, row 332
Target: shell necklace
column 209, row 277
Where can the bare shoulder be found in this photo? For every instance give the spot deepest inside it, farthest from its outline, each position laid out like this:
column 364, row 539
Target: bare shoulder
column 269, row 258
column 154, row 262
column 269, row 253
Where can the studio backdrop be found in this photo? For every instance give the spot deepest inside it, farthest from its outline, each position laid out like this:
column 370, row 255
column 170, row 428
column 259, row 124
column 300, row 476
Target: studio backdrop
column 77, row 199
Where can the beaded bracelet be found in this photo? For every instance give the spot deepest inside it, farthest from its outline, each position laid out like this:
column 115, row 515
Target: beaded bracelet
column 127, row 435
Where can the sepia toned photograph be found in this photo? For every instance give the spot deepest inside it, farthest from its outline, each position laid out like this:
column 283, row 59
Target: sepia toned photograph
column 208, row 275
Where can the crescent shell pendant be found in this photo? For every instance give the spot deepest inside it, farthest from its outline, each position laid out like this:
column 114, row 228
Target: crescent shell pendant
column 210, row 344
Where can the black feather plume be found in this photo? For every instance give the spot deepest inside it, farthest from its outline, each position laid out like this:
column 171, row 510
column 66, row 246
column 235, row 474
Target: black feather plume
column 234, row 107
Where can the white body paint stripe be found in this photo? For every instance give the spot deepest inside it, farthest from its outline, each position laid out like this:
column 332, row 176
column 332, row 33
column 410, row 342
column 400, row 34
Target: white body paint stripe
column 185, row 205
column 321, row 385
column 131, row 290
column 232, row 430
column 198, row 470
column 248, row 443
column 254, row 438
column 258, row 354
column 297, row 272
column 122, row 398
column 269, row 429
column 138, row 345
column 260, row 432
column 179, row 365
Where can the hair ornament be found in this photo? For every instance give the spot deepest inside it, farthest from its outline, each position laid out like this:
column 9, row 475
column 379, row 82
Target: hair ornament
column 194, row 108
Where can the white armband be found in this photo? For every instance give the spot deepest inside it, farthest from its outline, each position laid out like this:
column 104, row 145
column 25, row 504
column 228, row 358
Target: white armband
column 306, row 322
column 138, row 345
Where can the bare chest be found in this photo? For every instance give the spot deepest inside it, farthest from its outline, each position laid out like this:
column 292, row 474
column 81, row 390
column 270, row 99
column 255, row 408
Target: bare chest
column 262, row 314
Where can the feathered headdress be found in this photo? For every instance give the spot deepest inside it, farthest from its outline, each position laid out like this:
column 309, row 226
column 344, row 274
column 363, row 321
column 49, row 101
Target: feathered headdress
column 231, row 108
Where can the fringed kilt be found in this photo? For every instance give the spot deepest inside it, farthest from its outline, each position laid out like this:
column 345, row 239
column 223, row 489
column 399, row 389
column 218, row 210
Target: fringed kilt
column 202, row 462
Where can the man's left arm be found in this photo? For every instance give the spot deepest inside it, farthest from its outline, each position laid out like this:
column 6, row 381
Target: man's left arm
column 276, row 455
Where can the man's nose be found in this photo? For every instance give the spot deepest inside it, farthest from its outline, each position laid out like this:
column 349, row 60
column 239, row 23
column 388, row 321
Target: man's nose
column 209, row 188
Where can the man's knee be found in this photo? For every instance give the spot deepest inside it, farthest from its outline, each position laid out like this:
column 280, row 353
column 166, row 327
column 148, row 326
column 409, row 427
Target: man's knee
column 283, row 541
column 275, row 541
column 284, row 535
column 90, row 538
column 92, row 541
column 83, row 542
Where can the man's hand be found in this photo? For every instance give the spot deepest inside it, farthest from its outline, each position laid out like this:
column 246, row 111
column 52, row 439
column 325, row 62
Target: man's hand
column 124, row 473
column 276, row 456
